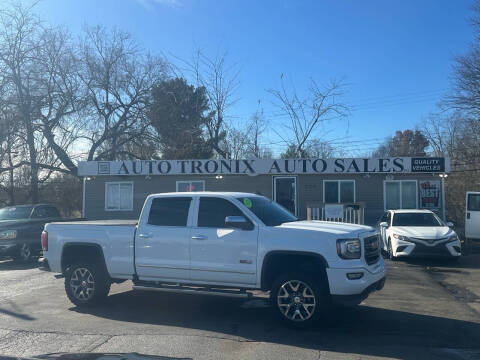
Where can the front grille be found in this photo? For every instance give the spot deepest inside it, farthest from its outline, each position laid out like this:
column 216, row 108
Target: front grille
column 371, row 245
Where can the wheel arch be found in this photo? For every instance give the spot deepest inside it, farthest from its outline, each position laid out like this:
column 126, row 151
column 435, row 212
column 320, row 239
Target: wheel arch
column 300, row 261
column 87, row 251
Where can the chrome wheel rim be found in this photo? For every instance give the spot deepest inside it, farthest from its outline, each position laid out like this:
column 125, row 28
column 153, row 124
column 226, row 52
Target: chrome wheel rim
column 82, row 284
column 296, row 300
column 25, row 252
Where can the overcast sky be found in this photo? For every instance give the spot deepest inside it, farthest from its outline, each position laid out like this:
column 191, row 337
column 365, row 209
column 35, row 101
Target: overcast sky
column 396, row 56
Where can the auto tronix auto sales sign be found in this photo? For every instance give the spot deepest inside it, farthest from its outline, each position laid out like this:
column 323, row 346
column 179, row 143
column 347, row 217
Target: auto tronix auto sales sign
column 252, row 167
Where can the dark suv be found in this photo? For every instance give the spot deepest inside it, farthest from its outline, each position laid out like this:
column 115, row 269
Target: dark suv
column 21, row 227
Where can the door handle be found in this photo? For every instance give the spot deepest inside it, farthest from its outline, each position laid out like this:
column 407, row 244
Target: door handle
column 145, row 236
column 199, row 237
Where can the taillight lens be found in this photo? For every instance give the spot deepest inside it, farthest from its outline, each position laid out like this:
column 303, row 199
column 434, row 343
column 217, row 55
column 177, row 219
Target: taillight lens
column 44, row 240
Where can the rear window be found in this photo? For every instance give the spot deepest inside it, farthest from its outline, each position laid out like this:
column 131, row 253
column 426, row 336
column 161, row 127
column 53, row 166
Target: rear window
column 169, row 211
column 473, row 202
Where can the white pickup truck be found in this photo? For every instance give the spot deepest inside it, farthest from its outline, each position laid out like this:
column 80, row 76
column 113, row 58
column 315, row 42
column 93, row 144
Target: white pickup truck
column 219, row 244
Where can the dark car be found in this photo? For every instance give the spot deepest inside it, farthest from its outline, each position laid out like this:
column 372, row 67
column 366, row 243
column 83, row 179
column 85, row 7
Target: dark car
column 21, row 227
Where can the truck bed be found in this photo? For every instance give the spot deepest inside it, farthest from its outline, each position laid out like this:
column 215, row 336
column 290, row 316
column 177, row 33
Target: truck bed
column 99, row 222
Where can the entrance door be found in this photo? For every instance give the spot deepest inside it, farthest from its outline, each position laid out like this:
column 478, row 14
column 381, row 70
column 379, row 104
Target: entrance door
column 472, row 221
column 285, row 192
column 220, row 253
column 162, row 241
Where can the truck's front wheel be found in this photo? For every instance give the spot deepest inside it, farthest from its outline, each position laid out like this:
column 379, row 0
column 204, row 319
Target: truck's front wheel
column 298, row 299
column 86, row 284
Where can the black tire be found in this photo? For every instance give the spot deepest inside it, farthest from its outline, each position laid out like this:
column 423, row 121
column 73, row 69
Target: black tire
column 321, row 299
column 24, row 253
column 86, row 284
column 390, row 251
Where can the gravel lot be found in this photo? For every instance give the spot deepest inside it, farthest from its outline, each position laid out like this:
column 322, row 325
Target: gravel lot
column 427, row 310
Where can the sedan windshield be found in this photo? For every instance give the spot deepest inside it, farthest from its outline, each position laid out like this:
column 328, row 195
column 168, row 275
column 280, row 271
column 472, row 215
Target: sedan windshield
column 15, row 213
column 267, row 210
column 416, row 219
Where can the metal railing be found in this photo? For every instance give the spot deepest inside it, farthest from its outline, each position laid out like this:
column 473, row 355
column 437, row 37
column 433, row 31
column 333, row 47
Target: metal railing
column 352, row 213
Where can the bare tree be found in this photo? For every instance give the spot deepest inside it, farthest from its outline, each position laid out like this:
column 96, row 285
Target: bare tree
column 118, row 78
column 307, row 113
column 221, row 82
column 19, row 42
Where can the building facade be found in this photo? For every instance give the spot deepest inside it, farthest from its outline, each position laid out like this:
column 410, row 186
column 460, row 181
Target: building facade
column 347, row 189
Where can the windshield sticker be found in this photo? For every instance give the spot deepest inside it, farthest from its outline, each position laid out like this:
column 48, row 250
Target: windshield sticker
column 247, row 202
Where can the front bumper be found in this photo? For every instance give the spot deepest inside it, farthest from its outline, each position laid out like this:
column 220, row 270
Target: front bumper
column 350, row 300
column 420, row 249
column 341, row 285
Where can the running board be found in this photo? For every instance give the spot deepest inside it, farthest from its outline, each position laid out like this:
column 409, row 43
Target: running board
column 194, row 290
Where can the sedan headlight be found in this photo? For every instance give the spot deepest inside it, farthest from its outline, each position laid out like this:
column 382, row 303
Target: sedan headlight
column 453, row 237
column 349, row 248
column 401, row 237
column 8, row 234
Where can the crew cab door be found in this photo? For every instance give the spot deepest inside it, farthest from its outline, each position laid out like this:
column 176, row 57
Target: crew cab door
column 162, row 240
column 220, row 253
column 472, row 218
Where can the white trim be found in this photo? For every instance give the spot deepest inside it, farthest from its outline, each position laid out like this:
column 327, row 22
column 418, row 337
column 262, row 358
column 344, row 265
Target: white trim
column 190, row 182
column 275, row 189
column 400, row 187
column 338, row 195
column 119, row 183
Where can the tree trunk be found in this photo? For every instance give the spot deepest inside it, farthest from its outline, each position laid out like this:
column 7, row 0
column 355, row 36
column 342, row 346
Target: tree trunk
column 11, row 179
column 34, row 193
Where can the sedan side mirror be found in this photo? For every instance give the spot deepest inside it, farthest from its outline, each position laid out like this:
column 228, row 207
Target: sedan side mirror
column 238, row 222
column 450, row 224
column 383, row 224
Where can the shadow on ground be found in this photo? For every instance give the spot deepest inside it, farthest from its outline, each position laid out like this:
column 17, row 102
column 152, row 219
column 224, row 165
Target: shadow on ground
column 362, row 330
column 7, row 264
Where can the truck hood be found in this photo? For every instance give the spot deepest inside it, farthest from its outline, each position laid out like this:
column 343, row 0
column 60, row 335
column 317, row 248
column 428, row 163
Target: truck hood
column 337, row 228
column 8, row 224
column 423, row 232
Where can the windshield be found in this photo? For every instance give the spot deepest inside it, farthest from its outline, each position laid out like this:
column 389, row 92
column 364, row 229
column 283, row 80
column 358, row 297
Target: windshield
column 267, row 210
column 15, row 213
column 416, row 219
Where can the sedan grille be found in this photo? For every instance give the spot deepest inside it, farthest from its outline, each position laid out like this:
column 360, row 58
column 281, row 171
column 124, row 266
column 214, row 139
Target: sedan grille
column 372, row 249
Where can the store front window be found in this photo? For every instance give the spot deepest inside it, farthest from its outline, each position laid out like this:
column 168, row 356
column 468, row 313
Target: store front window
column 339, row 191
column 189, row 186
column 400, row 194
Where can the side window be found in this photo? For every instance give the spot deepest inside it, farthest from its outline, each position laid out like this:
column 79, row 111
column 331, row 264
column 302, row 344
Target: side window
column 169, row 211
column 213, row 211
column 51, row 212
column 384, row 217
column 39, row 213
column 473, row 202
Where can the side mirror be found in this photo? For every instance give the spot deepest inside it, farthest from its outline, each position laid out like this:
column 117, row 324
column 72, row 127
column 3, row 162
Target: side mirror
column 238, row 222
column 450, row 224
column 383, row 224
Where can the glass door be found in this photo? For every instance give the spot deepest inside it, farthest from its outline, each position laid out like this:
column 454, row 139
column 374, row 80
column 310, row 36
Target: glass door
column 285, row 192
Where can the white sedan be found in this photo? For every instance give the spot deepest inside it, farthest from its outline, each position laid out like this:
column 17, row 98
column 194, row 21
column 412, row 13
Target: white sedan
column 417, row 233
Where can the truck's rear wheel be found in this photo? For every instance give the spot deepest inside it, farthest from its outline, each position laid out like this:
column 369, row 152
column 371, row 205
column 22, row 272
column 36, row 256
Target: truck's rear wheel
column 86, row 284
column 298, row 299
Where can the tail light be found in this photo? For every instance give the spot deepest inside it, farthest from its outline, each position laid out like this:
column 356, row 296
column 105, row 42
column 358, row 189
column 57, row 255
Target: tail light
column 44, row 240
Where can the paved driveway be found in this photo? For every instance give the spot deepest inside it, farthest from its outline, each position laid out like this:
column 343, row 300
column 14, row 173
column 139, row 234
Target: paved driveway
column 416, row 316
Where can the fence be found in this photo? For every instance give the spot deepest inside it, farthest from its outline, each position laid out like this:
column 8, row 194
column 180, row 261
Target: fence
column 352, row 213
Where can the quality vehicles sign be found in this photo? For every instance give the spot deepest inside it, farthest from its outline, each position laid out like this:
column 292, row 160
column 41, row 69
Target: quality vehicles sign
column 254, row 167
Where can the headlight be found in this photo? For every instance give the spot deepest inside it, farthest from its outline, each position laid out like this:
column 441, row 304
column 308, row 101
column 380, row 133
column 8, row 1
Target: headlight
column 349, row 248
column 401, row 237
column 8, row 234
